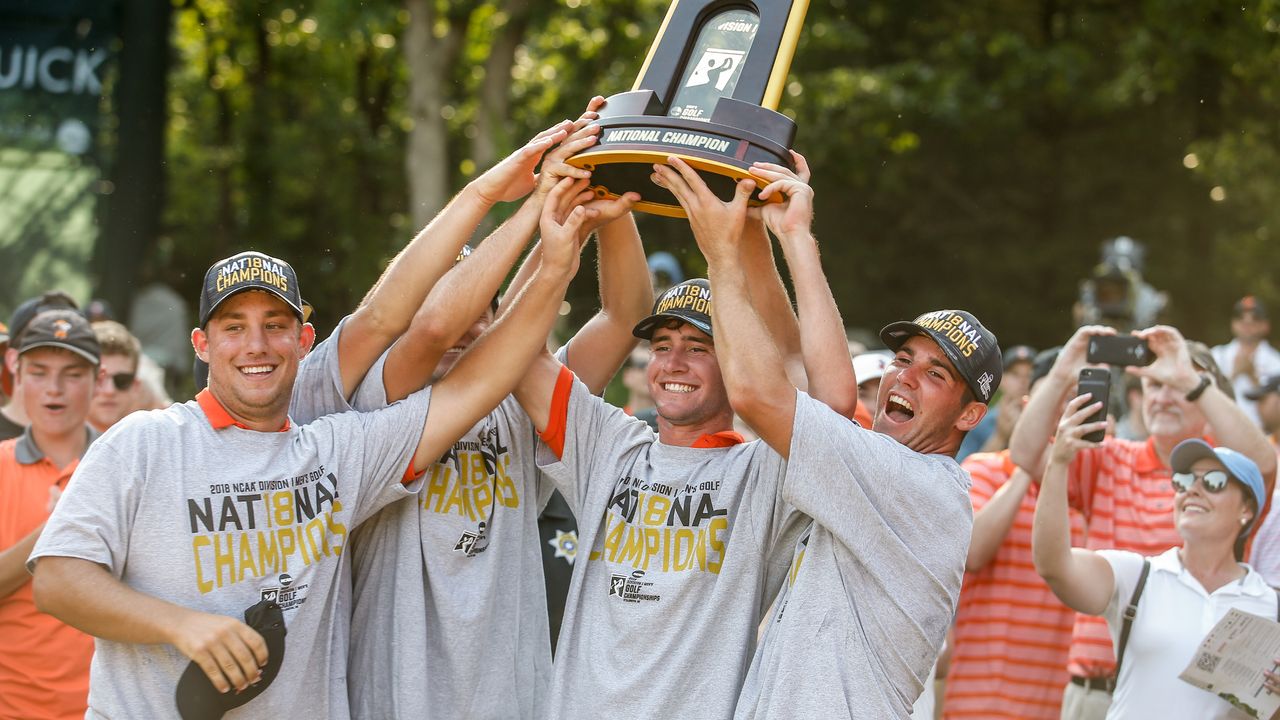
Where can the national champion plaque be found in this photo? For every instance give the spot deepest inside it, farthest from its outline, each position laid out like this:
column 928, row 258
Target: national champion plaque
column 708, row 93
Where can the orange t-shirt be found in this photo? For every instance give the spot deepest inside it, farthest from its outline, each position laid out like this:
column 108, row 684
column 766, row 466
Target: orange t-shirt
column 44, row 664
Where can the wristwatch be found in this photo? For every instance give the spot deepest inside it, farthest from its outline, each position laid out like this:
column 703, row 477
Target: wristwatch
column 1198, row 390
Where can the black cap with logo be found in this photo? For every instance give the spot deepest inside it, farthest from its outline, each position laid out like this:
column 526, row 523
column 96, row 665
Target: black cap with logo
column 249, row 270
column 690, row 302
column 65, row 329
column 972, row 348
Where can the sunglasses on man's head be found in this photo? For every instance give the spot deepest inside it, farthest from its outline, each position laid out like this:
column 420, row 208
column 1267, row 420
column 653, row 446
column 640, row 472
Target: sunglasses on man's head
column 1212, row 480
column 122, row 381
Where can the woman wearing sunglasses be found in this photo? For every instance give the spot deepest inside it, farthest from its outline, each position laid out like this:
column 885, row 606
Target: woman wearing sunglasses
column 1217, row 495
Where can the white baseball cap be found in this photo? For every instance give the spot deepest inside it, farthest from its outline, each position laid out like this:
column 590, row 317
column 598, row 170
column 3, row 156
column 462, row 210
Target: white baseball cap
column 871, row 365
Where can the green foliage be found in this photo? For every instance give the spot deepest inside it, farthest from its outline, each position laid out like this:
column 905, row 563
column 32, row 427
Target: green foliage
column 970, row 155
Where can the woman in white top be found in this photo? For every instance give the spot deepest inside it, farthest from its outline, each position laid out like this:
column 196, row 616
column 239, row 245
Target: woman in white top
column 1188, row 590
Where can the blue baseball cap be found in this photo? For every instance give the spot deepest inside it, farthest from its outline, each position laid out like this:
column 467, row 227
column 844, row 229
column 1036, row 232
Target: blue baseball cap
column 1242, row 469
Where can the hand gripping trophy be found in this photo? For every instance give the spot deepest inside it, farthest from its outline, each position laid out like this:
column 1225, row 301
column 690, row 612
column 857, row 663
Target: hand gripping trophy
column 708, row 93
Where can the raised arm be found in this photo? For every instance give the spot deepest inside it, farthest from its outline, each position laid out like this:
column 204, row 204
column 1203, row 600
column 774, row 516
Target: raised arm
column 390, row 305
column 497, row 361
column 626, row 295
column 85, row 596
column 1230, row 426
column 1081, row 578
column 750, row 362
column 453, row 305
column 992, row 523
column 1035, row 427
column 769, row 295
column 824, row 349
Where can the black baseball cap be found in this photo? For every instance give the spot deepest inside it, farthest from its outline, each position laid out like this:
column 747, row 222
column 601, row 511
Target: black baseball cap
column 65, row 329
column 249, row 270
column 1269, row 385
column 1044, row 363
column 1249, row 304
column 972, row 348
column 196, row 696
column 52, row 300
column 1017, row 354
column 690, row 302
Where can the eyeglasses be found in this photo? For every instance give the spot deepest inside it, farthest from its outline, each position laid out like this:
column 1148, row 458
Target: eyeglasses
column 1213, row 480
column 122, row 381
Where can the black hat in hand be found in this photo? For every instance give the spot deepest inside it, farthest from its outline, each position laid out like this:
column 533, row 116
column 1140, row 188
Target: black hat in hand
column 198, row 699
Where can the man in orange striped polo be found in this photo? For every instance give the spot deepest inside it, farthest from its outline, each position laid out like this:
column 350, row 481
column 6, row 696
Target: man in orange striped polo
column 1011, row 633
column 1122, row 487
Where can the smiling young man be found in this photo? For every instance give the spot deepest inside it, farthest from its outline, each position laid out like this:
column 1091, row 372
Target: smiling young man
column 181, row 519
column 44, row 664
column 675, row 529
column 876, row 573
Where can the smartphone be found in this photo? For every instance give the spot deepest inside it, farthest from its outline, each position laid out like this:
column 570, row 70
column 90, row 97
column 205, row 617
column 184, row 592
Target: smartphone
column 1119, row 350
column 1096, row 383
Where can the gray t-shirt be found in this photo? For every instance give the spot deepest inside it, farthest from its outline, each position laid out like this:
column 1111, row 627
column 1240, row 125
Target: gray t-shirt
column 463, row 633
column 681, row 551
column 317, row 390
column 216, row 520
column 873, row 585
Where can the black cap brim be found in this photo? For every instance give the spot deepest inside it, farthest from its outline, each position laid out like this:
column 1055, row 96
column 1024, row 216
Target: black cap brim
column 261, row 287
column 646, row 327
column 62, row 346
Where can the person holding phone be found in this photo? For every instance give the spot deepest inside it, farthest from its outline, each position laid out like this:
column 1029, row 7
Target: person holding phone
column 1121, row 486
column 1158, row 608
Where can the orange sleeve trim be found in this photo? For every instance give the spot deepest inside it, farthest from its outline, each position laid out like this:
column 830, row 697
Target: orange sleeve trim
column 410, row 474
column 558, row 417
column 862, row 415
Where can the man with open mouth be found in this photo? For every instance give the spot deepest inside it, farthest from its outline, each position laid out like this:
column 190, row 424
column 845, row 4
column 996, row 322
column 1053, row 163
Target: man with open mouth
column 44, row 664
column 875, row 576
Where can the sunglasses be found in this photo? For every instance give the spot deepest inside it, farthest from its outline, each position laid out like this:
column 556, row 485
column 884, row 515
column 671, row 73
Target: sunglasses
column 1213, row 480
column 122, row 381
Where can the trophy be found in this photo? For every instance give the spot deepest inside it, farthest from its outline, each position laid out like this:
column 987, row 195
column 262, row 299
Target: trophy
column 707, row 93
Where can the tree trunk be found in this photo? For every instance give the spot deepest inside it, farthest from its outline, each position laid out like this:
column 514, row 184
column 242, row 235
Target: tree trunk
column 430, row 58
column 494, row 134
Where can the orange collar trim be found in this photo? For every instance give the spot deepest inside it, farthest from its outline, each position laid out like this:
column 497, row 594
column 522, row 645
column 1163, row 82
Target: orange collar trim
column 218, row 416
column 723, row 439
column 1148, row 460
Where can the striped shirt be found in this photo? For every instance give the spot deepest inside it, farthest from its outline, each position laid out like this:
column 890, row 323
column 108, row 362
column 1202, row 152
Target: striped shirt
column 1011, row 633
column 1123, row 489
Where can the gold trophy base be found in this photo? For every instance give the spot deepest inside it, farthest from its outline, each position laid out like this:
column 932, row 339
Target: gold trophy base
column 721, row 150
